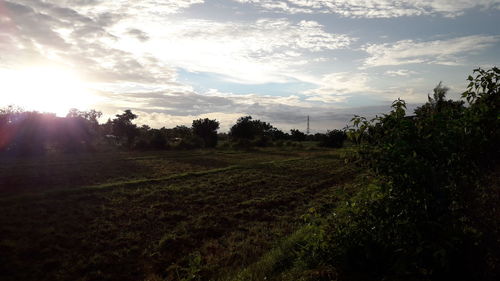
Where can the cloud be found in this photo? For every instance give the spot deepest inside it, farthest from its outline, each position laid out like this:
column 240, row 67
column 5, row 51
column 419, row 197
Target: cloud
column 337, row 87
column 444, row 52
column 43, row 33
column 160, row 119
column 139, row 34
column 127, row 53
column 400, row 73
column 171, row 108
column 151, row 7
column 139, row 42
column 260, row 51
column 374, row 8
column 131, row 51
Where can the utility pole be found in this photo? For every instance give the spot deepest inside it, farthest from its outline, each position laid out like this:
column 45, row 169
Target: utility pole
column 308, row 129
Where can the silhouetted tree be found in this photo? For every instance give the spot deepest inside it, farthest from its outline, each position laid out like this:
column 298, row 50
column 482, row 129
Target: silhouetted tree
column 85, row 121
column 438, row 103
column 334, row 138
column 23, row 133
column 297, row 135
column 159, row 139
column 180, row 132
column 206, row 129
column 246, row 128
column 124, row 128
column 151, row 138
column 277, row 134
column 91, row 115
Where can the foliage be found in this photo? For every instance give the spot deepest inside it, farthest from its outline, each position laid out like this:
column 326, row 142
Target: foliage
column 248, row 133
column 483, row 118
column 190, row 142
column 278, row 135
column 124, row 128
column 297, row 135
column 334, row 138
column 415, row 221
column 179, row 132
column 357, row 131
column 155, row 139
column 22, row 133
column 206, row 129
column 91, row 115
column 246, row 128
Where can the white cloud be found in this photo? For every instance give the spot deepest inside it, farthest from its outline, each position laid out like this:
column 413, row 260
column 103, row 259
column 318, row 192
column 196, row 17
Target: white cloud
column 337, row 87
column 400, row 72
column 159, row 119
column 375, row 8
column 42, row 33
column 139, row 41
column 444, row 52
column 147, row 7
column 128, row 59
column 265, row 50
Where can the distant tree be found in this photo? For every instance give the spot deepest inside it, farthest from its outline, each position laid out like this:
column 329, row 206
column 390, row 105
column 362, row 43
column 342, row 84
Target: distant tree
column 318, row 137
column 438, row 103
column 277, row 134
column 243, row 129
column 180, row 132
column 246, row 128
column 334, row 138
column 124, row 128
column 297, row 135
column 158, row 139
column 11, row 109
column 149, row 138
column 91, row 119
column 206, row 129
column 91, row 115
column 23, row 132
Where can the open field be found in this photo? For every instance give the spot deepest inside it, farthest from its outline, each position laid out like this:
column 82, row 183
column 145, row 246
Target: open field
column 70, row 171
column 157, row 215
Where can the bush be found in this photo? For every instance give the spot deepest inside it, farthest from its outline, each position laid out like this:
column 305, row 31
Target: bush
column 242, row 144
column 190, row 142
column 425, row 217
column 297, row 135
column 333, row 139
column 262, row 141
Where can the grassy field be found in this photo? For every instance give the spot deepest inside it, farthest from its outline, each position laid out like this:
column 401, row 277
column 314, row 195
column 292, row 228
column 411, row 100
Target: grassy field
column 194, row 215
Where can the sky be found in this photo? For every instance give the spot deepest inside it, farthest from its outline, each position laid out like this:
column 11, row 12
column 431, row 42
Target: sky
column 173, row 61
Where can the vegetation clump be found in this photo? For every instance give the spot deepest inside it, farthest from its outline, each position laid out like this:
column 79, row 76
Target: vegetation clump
column 334, row 138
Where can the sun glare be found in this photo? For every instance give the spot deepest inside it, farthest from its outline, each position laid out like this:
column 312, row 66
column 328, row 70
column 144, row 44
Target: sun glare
column 45, row 89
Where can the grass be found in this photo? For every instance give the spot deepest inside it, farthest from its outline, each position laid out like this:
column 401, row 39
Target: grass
column 67, row 171
column 202, row 215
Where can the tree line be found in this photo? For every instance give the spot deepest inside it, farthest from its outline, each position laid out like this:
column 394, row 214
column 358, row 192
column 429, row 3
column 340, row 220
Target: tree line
column 34, row 133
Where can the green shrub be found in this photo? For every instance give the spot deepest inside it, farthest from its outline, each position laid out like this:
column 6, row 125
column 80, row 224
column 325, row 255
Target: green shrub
column 424, row 218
